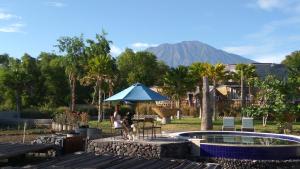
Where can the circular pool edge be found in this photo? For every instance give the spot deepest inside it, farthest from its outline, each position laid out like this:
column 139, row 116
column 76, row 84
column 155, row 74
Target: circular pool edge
column 247, row 152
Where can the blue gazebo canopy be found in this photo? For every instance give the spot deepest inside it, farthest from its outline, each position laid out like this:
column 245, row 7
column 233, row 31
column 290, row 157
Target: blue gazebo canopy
column 136, row 93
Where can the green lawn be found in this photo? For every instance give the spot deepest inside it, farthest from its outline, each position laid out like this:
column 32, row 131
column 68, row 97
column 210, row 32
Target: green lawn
column 193, row 124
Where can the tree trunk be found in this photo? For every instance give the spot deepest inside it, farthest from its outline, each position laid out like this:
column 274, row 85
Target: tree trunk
column 94, row 94
column 72, row 81
column 265, row 117
column 99, row 100
column 250, row 94
column 179, row 109
column 206, row 120
column 200, row 100
column 242, row 91
column 18, row 101
column 214, row 101
column 110, row 92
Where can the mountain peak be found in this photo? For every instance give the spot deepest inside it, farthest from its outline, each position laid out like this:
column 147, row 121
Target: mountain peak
column 187, row 52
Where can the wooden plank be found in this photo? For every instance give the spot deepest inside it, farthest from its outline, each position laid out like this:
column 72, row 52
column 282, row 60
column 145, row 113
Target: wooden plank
column 9, row 150
column 144, row 165
column 92, row 163
column 89, row 160
column 54, row 161
column 74, row 161
column 109, row 163
column 127, row 164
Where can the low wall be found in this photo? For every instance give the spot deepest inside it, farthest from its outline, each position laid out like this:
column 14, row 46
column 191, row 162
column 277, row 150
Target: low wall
column 145, row 149
column 9, row 115
column 30, row 122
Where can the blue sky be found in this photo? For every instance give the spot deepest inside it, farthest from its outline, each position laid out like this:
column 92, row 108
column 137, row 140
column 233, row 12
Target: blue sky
column 263, row 30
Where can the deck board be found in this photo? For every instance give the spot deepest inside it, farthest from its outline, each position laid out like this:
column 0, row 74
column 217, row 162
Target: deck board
column 91, row 161
column 9, row 150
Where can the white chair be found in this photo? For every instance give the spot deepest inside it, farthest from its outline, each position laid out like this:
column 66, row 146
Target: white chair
column 228, row 124
column 247, row 124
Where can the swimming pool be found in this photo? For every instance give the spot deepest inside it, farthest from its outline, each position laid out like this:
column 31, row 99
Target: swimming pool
column 245, row 145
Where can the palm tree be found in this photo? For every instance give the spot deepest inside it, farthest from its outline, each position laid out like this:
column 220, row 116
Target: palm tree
column 100, row 67
column 197, row 71
column 74, row 48
column 216, row 73
column 245, row 72
column 177, row 82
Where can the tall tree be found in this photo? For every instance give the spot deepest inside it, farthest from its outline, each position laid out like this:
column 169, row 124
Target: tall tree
column 292, row 62
column 73, row 61
column 53, row 78
column 245, row 72
column 32, row 93
column 216, row 73
column 206, row 120
column 14, row 78
column 140, row 67
column 197, row 70
column 177, row 82
column 100, row 67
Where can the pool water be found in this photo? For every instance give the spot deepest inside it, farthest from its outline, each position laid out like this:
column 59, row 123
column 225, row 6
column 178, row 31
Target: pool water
column 244, row 145
column 239, row 139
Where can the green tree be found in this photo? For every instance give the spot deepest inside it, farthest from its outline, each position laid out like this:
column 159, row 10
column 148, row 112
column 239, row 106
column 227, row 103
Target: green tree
column 100, row 68
column 276, row 97
column 14, row 78
column 292, row 62
column 4, row 60
column 32, row 94
column 53, row 78
column 197, row 71
column 140, row 67
column 217, row 73
column 177, row 82
column 245, row 72
column 73, row 61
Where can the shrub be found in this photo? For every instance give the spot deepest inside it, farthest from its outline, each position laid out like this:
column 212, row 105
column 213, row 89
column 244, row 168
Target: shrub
column 62, row 109
column 189, row 111
column 90, row 109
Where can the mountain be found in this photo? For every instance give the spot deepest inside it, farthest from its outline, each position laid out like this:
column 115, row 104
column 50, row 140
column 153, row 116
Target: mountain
column 187, row 52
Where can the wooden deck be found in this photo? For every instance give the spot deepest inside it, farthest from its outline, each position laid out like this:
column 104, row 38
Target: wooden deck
column 91, row 161
column 10, row 150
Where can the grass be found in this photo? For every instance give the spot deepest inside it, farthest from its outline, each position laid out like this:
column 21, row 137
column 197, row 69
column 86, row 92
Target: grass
column 185, row 124
column 193, row 124
column 14, row 135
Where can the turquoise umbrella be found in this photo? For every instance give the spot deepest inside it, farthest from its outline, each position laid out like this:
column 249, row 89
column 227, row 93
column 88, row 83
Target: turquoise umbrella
column 137, row 93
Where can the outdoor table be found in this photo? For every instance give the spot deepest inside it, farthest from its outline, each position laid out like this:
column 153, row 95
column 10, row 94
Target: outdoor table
column 144, row 120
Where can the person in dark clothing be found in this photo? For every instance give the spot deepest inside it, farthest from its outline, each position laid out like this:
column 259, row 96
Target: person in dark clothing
column 127, row 122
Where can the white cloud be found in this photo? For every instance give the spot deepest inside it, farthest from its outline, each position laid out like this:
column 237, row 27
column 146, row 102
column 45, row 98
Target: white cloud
column 141, row 45
column 276, row 25
column 272, row 57
column 287, row 6
column 8, row 16
column 56, row 4
column 269, row 4
column 260, row 53
column 115, row 51
column 12, row 28
column 241, row 50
